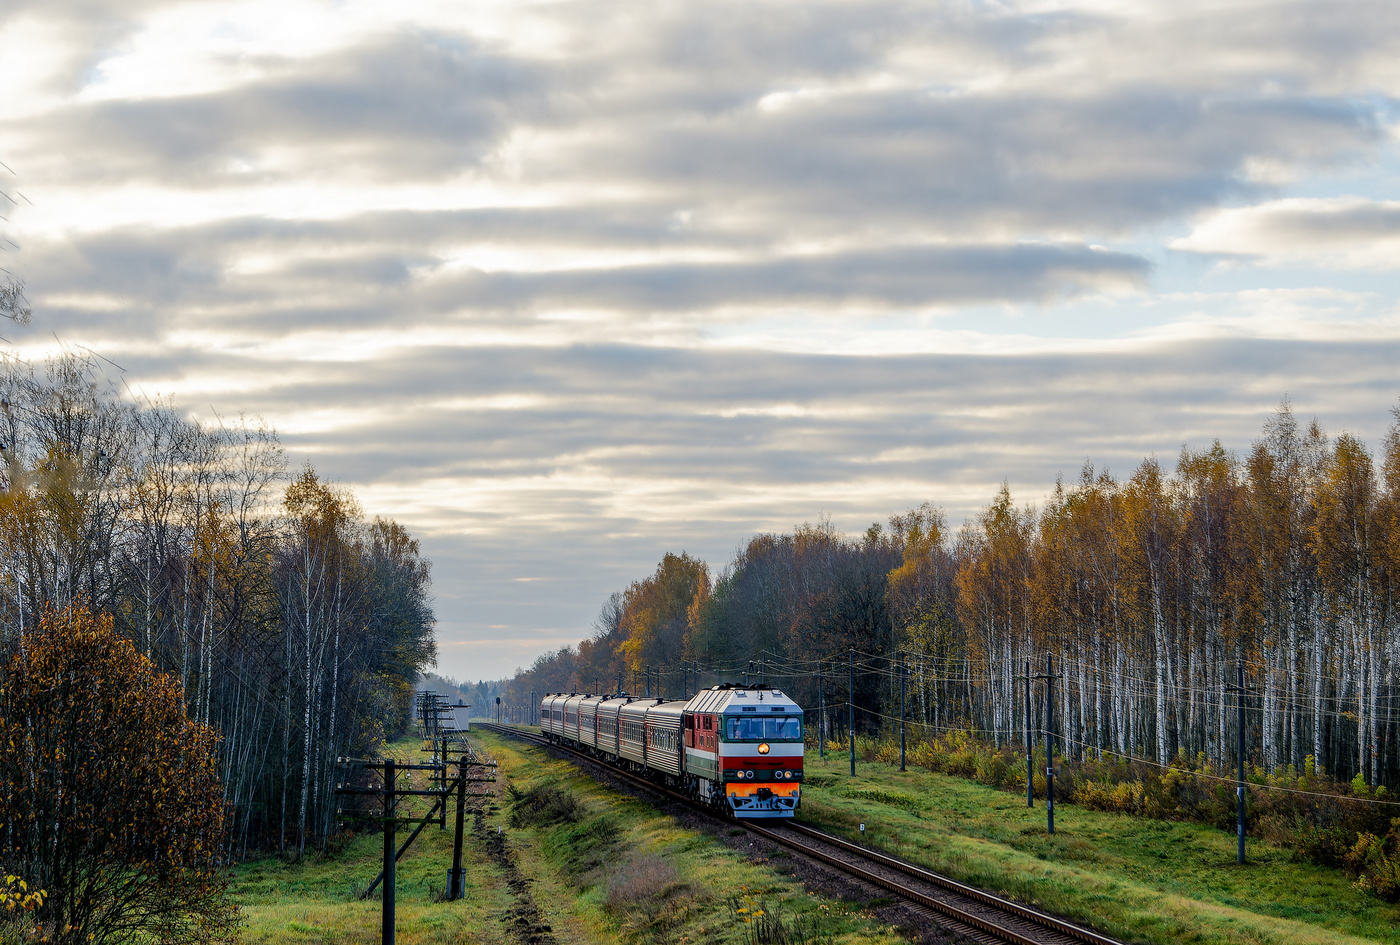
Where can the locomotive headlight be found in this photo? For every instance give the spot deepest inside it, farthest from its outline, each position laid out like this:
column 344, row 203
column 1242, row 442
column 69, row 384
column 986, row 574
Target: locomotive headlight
column 763, row 749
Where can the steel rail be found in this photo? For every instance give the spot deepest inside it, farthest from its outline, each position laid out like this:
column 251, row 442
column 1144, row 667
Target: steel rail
column 971, row 892
column 975, row 920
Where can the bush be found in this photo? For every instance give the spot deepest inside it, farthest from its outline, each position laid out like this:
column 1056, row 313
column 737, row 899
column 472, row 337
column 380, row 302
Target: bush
column 111, row 795
column 643, row 882
column 542, row 806
column 1344, row 824
column 1375, row 862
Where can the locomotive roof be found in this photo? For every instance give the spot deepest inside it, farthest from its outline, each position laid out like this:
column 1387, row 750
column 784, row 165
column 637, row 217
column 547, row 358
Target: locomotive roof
column 732, row 700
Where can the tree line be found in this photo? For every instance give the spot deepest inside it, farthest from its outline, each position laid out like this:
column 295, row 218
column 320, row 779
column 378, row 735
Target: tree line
column 291, row 624
column 1149, row 591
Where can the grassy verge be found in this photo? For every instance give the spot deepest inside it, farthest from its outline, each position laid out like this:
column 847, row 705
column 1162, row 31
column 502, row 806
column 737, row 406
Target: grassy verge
column 591, row 864
column 1142, row 880
column 622, row 870
column 316, row 900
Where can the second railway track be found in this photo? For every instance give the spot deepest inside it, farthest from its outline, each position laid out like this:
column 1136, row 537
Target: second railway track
column 978, row 915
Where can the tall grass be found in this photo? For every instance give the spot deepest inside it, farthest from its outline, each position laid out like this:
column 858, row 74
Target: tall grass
column 1343, row 824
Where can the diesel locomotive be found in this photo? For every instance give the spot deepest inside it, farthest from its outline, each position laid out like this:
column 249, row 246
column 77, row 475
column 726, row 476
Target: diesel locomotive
column 736, row 748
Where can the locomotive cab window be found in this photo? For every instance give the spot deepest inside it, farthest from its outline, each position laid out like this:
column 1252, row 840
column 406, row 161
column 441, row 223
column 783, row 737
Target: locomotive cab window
column 758, row 728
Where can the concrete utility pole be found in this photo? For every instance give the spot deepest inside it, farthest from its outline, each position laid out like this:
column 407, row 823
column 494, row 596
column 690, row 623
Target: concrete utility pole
column 821, row 715
column 851, row 711
column 1030, row 745
column 1050, row 742
column 1239, row 789
column 1239, row 691
column 903, row 680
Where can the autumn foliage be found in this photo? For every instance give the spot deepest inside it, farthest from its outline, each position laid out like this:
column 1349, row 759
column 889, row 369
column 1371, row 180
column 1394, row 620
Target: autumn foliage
column 110, row 796
column 289, row 622
column 1149, row 591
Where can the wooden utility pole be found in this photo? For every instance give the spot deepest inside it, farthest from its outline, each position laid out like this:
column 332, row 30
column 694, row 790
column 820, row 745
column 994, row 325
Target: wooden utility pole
column 386, row 925
column 454, row 885
column 390, row 819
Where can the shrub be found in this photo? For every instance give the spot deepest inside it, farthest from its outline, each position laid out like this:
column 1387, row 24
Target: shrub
column 1319, row 820
column 111, row 795
column 542, row 806
column 640, row 884
column 1375, row 862
column 18, row 903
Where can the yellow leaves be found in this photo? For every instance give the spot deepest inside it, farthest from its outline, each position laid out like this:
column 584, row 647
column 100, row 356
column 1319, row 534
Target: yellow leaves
column 658, row 611
column 147, row 801
column 15, row 896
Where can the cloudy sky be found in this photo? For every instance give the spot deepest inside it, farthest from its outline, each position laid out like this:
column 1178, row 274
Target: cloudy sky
column 565, row 285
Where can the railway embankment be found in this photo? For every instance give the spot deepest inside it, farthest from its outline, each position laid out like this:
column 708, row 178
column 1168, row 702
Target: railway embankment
column 559, row 855
column 619, row 867
column 1136, row 879
column 1139, row 880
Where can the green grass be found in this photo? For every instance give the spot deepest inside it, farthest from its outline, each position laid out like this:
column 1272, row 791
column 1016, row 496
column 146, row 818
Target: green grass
column 315, row 901
column 602, row 867
column 619, row 871
column 615, row 868
column 1142, row 880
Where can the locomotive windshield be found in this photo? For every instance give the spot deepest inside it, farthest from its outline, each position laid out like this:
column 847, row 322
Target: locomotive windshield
column 762, row 728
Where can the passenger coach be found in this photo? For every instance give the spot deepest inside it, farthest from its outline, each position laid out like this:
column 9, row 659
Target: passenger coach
column 737, row 748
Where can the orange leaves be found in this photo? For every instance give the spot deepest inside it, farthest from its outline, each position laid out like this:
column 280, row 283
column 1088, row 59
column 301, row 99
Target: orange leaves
column 657, row 610
column 914, row 588
column 109, row 777
column 323, row 512
column 1341, row 536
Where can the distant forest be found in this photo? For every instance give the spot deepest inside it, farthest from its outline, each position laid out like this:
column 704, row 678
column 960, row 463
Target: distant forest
column 292, row 624
column 1147, row 591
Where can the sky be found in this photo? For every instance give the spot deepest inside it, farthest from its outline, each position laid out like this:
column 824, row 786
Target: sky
column 564, row 286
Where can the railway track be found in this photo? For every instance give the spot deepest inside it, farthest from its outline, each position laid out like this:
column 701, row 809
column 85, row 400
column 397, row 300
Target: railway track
column 977, row 915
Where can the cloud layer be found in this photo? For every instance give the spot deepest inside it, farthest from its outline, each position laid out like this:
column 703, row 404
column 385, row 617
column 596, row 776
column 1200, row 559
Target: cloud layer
column 564, row 285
